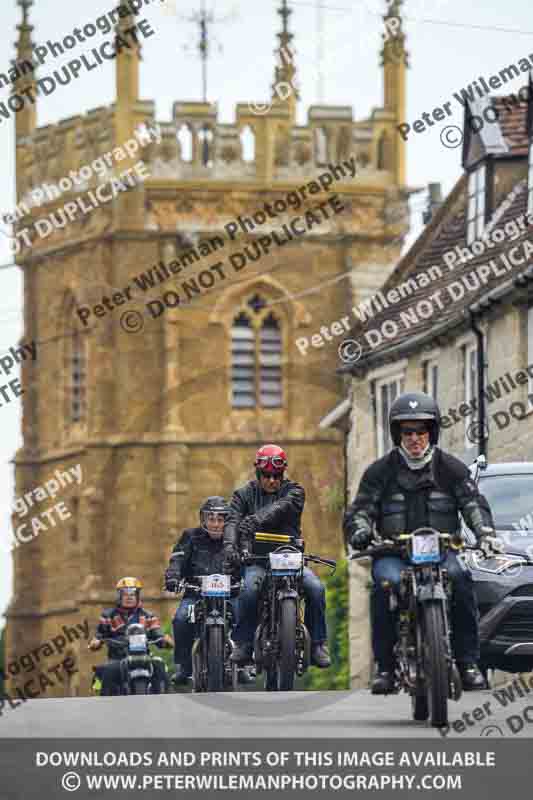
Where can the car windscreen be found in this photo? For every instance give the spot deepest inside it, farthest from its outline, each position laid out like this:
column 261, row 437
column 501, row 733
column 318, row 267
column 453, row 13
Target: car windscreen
column 510, row 498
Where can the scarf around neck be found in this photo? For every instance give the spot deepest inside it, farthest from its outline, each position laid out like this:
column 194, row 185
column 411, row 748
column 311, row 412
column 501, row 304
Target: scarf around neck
column 416, row 463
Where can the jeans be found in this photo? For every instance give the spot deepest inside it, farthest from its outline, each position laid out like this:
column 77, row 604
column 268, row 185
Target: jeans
column 464, row 612
column 315, row 606
column 184, row 633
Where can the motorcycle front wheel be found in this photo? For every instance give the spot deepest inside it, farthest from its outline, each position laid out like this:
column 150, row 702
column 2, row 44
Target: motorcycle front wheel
column 140, row 686
column 215, row 659
column 435, row 663
column 287, row 645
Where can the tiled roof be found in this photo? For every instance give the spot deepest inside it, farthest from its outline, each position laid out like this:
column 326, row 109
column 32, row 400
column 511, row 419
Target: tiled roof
column 445, row 232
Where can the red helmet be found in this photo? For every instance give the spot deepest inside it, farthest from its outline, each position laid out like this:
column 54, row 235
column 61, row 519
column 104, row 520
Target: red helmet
column 270, row 458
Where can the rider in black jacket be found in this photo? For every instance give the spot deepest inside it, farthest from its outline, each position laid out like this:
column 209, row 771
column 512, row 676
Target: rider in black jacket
column 413, row 486
column 272, row 504
column 200, row 551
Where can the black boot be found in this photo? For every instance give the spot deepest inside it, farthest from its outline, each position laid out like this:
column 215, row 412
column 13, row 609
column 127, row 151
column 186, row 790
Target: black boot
column 383, row 682
column 471, row 677
column 320, row 655
column 181, row 676
column 242, row 653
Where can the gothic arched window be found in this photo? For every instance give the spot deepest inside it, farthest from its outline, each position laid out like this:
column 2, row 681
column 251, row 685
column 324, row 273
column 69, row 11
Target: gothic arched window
column 78, row 378
column 256, row 357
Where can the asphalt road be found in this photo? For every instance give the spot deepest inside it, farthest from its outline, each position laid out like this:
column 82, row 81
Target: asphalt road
column 262, row 715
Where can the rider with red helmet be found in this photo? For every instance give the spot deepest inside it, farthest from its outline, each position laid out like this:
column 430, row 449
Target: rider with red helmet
column 273, row 504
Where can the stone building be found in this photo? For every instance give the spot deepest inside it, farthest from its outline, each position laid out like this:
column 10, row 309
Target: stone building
column 453, row 319
column 165, row 400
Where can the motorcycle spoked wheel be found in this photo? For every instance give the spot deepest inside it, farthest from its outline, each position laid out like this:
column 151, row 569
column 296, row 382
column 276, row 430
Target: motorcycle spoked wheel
column 419, row 700
column 287, row 645
column 435, row 664
column 280, row 676
column 215, row 658
column 197, row 672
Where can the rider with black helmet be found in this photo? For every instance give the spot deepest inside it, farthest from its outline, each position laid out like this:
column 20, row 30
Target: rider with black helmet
column 415, row 485
column 199, row 551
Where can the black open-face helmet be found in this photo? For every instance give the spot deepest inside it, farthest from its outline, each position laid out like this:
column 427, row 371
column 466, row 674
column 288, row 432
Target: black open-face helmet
column 215, row 505
column 414, row 406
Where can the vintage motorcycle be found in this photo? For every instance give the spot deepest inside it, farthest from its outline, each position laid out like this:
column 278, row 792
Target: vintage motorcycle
column 282, row 644
column 424, row 664
column 136, row 667
column 213, row 616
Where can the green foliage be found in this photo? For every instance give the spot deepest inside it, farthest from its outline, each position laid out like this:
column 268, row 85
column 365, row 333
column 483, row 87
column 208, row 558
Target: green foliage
column 334, row 497
column 166, row 654
column 338, row 675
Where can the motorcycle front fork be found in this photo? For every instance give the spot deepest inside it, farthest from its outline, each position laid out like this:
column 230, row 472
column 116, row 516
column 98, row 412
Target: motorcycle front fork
column 408, row 661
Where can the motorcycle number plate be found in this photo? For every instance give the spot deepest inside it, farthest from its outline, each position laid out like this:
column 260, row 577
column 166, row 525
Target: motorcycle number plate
column 425, row 549
column 216, row 585
column 285, row 563
column 137, row 643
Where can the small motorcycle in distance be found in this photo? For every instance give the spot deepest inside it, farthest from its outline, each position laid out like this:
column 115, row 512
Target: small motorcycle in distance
column 282, row 645
column 425, row 667
column 213, row 617
column 136, row 667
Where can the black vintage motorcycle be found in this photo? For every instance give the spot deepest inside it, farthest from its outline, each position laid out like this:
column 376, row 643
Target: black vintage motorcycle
column 282, row 644
column 137, row 672
column 213, row 617
column 425, row 667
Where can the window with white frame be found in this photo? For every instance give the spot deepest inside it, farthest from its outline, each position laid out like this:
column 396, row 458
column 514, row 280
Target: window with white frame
column 530, row 179
column 431, row 378
column 469, row 381
column 475, row 222
column 386, row 392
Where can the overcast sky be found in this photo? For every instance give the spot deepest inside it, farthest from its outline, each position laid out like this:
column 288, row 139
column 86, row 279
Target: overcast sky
column 450, row 42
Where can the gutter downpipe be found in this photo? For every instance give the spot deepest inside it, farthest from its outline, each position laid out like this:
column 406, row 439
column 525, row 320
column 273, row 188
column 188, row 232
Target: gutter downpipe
column 482, row 424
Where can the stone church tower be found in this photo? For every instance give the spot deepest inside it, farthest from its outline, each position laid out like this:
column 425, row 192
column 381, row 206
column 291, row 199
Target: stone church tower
column 162, row 413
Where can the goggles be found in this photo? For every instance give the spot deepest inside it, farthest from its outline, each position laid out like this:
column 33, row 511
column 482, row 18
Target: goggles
column 129, row 591
column 277, row 462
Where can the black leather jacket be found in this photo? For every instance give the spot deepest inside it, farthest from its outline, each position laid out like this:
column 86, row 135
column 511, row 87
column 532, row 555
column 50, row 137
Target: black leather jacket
column 396, row 499
column 279, row 512
column 198, row 553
